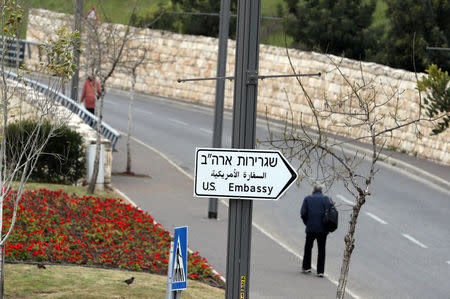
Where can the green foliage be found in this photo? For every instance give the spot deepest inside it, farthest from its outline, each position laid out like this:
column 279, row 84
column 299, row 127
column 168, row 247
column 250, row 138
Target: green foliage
column 190, row 22
column 11, row 24
column 412, row 25
column 359, row 29
column 12, row 15
column 59, row 52
column 62, row 159
column 336, row 27
column 149, row 11
column 437, row 102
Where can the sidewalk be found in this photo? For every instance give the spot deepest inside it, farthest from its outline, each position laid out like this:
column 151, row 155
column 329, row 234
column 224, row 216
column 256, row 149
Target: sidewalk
column 166, row 194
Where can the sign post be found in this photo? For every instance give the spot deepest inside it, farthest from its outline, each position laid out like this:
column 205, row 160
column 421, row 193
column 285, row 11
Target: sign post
column 244, row 124
column 223, row 176
column 220, row 88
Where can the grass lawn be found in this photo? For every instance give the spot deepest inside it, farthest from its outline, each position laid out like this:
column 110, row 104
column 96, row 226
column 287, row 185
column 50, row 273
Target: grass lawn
column 114, row 8
column 27, row 281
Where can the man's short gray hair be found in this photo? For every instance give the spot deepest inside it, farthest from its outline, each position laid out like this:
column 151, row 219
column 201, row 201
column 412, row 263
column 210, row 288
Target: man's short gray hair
column 317, row 188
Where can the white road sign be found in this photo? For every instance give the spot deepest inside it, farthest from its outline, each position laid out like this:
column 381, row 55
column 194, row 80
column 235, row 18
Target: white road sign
column 92, row 15
column 242, row 173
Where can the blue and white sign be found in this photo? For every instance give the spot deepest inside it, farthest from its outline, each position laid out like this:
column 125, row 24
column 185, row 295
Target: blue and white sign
column 179, row 259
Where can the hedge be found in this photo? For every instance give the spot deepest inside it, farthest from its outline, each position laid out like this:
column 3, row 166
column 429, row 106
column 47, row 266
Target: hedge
column 62, row 160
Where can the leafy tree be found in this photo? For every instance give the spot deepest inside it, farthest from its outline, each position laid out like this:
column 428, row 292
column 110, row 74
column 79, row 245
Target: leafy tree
column 437, row 102
column 413, row 25
column 336, row 27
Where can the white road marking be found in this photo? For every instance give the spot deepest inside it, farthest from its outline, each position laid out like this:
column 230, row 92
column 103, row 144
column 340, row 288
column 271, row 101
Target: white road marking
column 224, row 202
column 345, row 199
column 147, row 112
column 178, row 121
column 376, row 218
column 414, row 241
column 208, row 131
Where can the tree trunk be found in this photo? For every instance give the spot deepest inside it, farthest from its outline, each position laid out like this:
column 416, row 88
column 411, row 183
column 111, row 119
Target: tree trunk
column 95, row 171
column 349, row 246
column 130, row 122
column 2, row 270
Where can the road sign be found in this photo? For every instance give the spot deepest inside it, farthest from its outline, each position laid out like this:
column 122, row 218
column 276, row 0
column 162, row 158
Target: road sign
column 242, row 173
column 179, row 259
column 92, row 15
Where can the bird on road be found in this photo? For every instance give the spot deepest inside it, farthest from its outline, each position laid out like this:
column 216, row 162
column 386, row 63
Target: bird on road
column 129, row 280
column 40, row 266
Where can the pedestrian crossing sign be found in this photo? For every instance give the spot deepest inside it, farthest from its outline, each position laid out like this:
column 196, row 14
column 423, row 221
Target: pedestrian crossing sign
column 179, row 259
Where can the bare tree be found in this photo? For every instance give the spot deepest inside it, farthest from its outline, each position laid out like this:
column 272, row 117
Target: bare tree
column 135, row 57
column 365, row 106
column 16, row 167
column 109, row 42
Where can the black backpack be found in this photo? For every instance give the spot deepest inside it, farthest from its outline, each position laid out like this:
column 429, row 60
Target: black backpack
column 330, row 218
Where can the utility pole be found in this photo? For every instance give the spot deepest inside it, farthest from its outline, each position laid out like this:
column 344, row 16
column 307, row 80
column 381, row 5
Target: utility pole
column 76, row 51
column 244, row 124
column 220, row 87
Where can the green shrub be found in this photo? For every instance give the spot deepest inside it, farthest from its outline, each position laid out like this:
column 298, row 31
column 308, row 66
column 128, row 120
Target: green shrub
column 62, row 160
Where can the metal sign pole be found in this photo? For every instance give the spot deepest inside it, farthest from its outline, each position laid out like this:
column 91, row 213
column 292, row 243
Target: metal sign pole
column 76, row 53
column 244, row 123
column 169, row 274
column 220, row 87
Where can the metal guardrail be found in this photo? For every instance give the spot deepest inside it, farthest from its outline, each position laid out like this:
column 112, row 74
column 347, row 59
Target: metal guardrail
column 8, row 47
column 107, row 131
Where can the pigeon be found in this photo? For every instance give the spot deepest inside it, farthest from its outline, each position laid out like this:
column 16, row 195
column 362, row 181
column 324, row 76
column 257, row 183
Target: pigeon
column 129, row 281
column 40, row 266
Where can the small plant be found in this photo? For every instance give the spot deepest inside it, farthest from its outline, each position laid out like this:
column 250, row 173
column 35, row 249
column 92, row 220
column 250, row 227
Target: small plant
column 437, row 101
column 392, row 148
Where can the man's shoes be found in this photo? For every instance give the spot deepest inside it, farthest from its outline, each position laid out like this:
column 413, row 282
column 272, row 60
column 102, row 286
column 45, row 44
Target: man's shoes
column 319, row 274
column 306, row 271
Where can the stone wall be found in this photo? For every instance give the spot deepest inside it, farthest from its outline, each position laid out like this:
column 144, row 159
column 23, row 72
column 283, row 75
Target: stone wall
column 27, row 103
column 173, row 56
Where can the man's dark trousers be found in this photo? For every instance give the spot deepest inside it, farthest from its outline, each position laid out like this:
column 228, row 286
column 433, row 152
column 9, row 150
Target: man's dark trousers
column 321, row 242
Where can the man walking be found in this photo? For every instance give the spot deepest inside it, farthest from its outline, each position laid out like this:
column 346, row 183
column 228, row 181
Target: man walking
column 313, row 209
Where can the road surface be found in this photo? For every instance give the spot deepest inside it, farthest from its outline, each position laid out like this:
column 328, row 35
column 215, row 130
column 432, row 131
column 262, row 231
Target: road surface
column 403, row 235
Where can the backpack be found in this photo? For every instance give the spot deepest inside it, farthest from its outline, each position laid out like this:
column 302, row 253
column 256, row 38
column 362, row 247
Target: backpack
column 330, row 218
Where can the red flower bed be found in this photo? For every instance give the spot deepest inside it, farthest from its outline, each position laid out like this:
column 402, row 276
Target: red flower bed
column 55, row 227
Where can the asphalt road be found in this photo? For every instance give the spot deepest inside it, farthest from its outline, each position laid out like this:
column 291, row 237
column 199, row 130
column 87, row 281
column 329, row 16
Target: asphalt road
column 403, row 235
